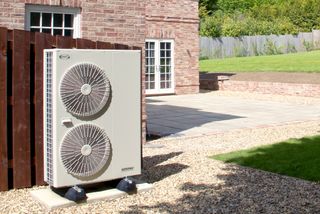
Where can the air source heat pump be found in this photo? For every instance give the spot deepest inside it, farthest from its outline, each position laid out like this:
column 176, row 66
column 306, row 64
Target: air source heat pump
column 92, row 115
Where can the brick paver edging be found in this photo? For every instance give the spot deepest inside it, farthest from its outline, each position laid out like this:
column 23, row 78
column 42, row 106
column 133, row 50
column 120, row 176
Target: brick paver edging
column 306, row 90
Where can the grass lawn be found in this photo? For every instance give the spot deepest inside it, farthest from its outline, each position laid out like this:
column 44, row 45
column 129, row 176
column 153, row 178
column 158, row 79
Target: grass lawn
column 295, row 157
column 296, row 62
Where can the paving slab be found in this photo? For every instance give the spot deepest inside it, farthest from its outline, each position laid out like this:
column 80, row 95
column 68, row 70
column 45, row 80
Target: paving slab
column 199, row 114
column 51, row 200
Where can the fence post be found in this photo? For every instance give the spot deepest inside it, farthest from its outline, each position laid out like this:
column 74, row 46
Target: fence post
column 21, row 109
column 3, row 111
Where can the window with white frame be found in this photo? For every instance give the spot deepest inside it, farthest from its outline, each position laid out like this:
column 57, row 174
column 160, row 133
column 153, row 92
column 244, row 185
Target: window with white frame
column 53, row 20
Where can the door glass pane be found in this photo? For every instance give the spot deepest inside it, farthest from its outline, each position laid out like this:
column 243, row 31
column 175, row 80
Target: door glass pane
column 150, row 65
column 152, row 45
column 152, row 85
column 162, row 54
column 162, row 69
column 46, row 19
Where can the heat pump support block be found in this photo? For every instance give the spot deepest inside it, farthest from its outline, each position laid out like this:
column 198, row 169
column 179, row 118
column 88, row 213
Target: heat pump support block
column 51, row 200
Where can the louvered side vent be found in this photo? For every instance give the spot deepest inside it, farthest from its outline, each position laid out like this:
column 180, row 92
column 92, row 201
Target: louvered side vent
column 49, row 145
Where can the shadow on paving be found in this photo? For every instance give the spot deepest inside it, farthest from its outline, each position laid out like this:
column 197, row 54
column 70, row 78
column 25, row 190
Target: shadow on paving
column 242, row 190
column 176, row 118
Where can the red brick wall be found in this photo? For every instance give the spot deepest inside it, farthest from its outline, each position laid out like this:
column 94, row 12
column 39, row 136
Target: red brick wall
column 306, row 90
column 131, row 22
column 115, row 21
column 177, row 20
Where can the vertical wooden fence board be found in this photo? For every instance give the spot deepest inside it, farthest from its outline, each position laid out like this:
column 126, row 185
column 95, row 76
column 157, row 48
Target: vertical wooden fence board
column 121, row 46
column 21, row 110
column 85, row 44
column 3, row 111
column 104, row 45
column 65, row 42
column 42, row 41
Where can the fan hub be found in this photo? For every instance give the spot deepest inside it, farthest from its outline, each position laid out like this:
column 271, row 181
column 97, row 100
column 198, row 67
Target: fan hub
column 86, row 89
column 86, row 150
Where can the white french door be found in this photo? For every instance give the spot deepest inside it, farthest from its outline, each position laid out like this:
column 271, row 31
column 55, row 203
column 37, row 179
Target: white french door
column 159, row 66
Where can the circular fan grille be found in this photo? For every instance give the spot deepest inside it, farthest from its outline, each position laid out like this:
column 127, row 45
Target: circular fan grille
column 85, row 89
column 85, row 150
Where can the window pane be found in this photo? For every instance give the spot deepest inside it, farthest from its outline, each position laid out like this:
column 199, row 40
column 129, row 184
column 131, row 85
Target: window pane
column 46, row 19
column 68, row 32
column 151, row 69
column 162, row 45
column 68, row 20
column 162, row 61
column 168, row 45
column 162, row 53
column 168, row 53
column 35, row 19
column 151, row 45
column 35, row 29
column 57, row 32
column 57, row 20
column 151, row 61
column 46, row 31
column 162, row 69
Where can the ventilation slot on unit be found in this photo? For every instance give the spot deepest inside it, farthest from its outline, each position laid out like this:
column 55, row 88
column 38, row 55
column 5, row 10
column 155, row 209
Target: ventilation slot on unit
column 49, row 145
column 85, row 150
column 85, row 89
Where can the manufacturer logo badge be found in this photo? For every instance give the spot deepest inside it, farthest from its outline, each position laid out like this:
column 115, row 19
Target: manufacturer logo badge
column 64, row 56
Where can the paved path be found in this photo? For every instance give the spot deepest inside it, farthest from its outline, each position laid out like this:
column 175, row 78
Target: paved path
column 199, row 114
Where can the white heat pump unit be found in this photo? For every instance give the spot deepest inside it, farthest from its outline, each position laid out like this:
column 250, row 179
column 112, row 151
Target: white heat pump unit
column 92, row 115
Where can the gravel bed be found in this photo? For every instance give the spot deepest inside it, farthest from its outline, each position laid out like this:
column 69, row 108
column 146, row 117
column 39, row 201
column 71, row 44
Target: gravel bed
column 187, row 181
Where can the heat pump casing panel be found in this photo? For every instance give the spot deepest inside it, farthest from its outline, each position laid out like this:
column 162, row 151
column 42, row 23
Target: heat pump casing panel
column 120, row 119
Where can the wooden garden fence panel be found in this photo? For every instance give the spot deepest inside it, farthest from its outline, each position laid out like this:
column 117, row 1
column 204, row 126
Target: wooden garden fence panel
column 21, row 102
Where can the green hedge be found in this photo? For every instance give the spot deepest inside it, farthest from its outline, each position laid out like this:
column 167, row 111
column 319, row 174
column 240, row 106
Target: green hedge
column 258, row 17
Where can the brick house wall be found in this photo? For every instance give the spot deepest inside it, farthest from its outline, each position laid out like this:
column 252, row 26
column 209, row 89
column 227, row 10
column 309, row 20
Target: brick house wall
column 177, row 20
column 131, row 22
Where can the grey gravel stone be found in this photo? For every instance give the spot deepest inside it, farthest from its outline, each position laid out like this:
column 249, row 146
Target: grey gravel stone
column 187, row 181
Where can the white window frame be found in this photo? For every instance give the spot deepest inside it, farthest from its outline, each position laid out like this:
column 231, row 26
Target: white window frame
column 54, row 9
column 158, row 89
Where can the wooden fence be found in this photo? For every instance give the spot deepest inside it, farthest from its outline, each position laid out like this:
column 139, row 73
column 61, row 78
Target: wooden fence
column 21, row 112
column 258, row 45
